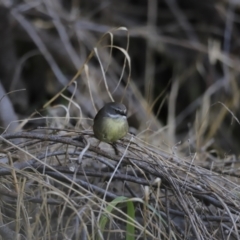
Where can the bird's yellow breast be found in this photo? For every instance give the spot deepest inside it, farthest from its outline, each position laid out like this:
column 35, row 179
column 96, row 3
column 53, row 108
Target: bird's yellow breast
column 110, row 129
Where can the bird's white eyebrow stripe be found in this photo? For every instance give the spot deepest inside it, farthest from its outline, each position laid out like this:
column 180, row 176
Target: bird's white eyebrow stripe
column 120, row 110
column 116, row 115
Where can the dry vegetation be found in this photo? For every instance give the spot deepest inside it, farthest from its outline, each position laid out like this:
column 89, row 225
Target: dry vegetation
column 175, row 65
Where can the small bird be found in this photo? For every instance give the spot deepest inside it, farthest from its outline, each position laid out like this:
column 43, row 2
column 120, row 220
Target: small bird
column 110, row 123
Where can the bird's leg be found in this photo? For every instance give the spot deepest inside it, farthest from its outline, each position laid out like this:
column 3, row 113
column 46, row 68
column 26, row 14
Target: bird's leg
column 114, row 145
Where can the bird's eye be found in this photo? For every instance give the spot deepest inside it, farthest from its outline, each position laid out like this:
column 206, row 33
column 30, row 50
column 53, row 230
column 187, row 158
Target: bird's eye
column 120, row 111
column 117, row 111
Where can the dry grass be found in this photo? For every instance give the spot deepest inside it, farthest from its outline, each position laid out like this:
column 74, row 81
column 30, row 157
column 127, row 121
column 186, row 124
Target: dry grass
column 66, row 188
column 158, row 183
